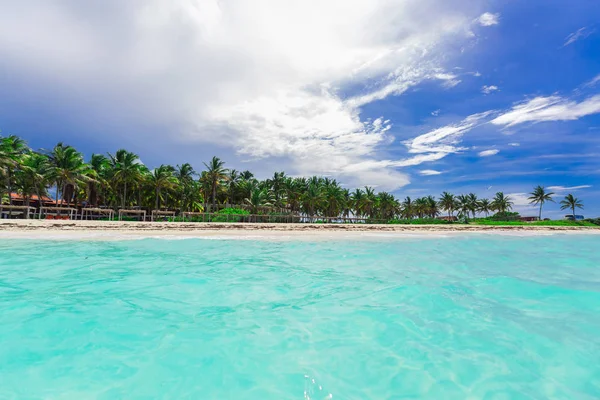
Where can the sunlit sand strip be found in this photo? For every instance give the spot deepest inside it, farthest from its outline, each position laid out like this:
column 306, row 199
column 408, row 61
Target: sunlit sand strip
column 104, row 230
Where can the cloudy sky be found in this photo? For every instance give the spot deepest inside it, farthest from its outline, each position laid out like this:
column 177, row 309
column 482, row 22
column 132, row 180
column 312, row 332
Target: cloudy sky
column 409, row 96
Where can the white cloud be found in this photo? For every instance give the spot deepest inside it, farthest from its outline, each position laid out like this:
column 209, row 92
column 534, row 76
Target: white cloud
column 488, row 89
column 522, row 204
column 564, row 188
column 428, row 172
column 488, row 19
column 435, row 113
column 246, row 75
column 442, row 141
column 514, row 144
column 581, row 33
column 552, row 108
column 487, row 153
column 593, row 81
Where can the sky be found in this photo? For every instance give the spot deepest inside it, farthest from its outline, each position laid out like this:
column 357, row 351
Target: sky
column 414, row 97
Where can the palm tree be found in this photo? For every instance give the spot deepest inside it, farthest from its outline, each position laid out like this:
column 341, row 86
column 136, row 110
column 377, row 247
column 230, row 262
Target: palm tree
column 215, row 174
column 357, row 199
column 485, row 206
column 463, row 205
column 502, row 203
column 448, row 203
column 407, row 208
column 11, row 149
column 259, row 198
column 388, row 205
column 473, row 203
column 162, row 178
column 571, row 202
column 540, row 196
column 126, row 168
column 33, row 176
column 68, row 170
column 421, row 207
column 312, row 199
column 101, row 166
column 233, row 179
column 431, row 207
column 184, row 174
column 277, row 184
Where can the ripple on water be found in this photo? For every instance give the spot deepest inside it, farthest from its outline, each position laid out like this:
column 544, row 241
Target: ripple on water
column 474, row 316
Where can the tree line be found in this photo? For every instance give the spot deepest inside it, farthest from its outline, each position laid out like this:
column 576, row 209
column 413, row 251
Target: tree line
column 121, row 180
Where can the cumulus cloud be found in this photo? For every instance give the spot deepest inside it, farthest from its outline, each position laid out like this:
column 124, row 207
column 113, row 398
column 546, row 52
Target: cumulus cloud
column 488, row 19
column 487, row 153
column 581, row 33
column 551, row 108
column 429, row 172
column 488, row 89
column 265, row 78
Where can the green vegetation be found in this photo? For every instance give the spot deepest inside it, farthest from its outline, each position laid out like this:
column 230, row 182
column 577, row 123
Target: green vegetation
column 535, row 223
column 121, row 180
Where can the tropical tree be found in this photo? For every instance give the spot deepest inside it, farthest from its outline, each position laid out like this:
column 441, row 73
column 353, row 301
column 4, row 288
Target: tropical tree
column 184, row 174
column 448, row 203
column 570, row 202
column 68, row 169
column 277, row 183
column 126, row 169
column 464, row 205
column 233, row 179
column 502, row 203
column 11, row 150
column 540, row 196
column 357, row 202
column 259, row 198
column 484, row 206
column 216, row 173
column 407, row 208
column 388, row 205
column 161, row 179
column 33, row 176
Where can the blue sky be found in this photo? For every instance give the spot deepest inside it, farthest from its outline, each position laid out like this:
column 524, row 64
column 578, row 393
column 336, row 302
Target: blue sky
column 413, row 97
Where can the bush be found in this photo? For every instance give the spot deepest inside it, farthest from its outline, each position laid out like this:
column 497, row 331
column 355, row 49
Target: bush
column 230, row 215
column 504, row 216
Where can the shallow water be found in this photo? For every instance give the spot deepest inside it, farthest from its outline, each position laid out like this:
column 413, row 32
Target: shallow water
column 464, row 317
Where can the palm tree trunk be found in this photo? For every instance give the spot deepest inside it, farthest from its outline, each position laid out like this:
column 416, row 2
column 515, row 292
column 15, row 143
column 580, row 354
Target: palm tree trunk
column 157, row 199
column 214, row 196
column 125, row 194
column 540, row 217
column 9, row 187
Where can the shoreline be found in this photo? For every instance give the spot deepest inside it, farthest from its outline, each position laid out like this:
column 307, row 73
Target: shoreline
column 121, row 230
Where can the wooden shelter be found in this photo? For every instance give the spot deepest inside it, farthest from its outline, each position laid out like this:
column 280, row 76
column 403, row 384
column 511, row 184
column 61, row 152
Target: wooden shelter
column 10, row 211
column 94, row 213
column 160, row 213
column 58, row 212
column 139, row 213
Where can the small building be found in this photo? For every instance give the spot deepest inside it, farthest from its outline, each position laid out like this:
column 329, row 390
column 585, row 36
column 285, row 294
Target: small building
column 34, row 201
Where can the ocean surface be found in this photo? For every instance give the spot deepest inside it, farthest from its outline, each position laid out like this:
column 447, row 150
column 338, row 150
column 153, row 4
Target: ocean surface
column 463, row 317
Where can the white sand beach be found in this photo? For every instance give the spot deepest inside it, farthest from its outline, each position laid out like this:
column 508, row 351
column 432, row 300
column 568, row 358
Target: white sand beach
column 107, row 230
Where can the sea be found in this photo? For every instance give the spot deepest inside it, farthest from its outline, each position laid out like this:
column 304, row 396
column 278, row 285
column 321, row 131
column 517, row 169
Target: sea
column 460, row 316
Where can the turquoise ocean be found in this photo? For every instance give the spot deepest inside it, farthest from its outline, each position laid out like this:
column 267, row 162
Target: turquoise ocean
column 461, row 317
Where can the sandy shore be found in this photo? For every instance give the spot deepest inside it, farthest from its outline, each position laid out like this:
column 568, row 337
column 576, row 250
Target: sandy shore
column 123, row 230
